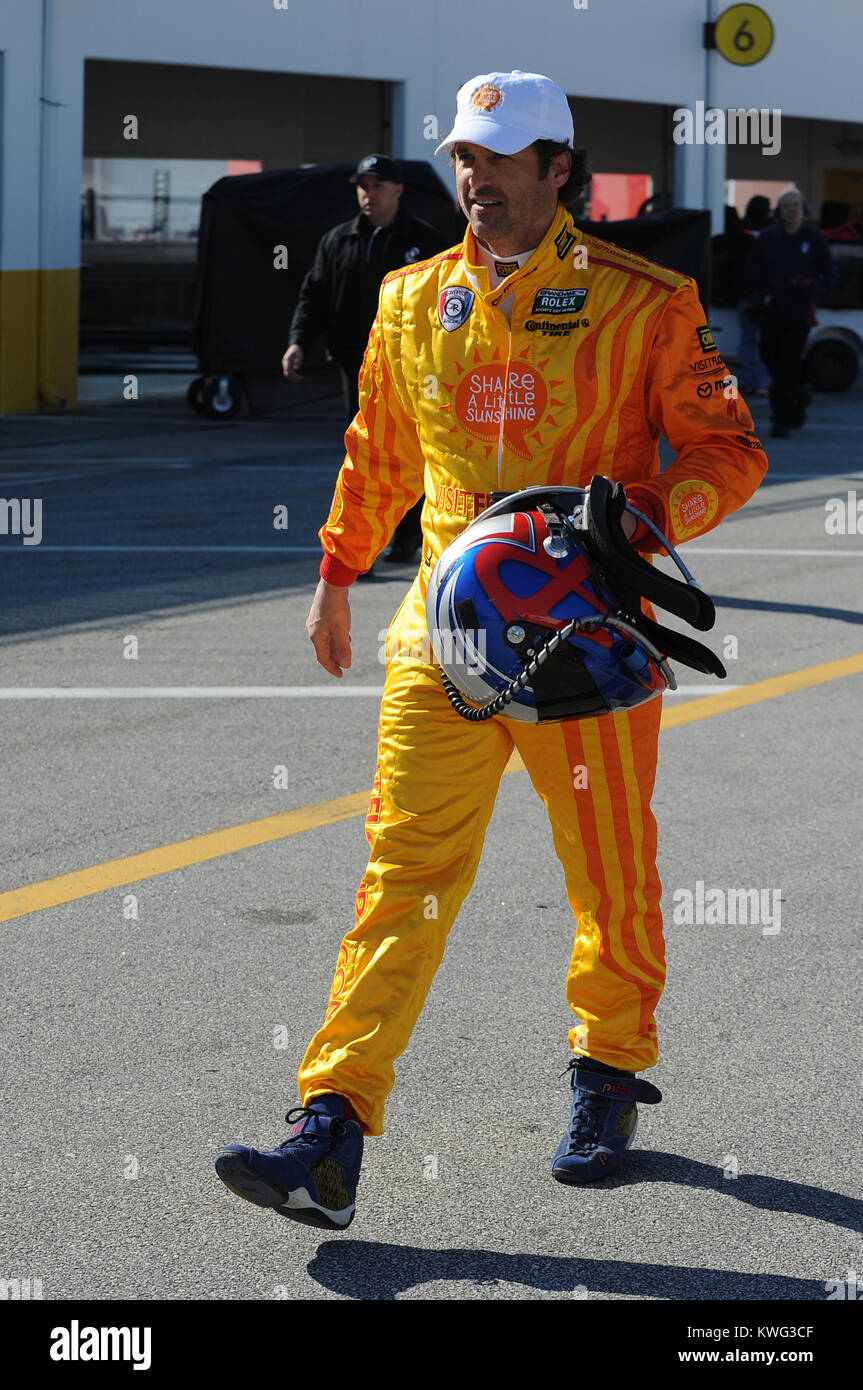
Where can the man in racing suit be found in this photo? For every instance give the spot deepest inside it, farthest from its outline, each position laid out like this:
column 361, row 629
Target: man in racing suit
column 531, row 354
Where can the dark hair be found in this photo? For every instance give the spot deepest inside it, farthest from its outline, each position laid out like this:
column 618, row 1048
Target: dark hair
column 579, row 174
column 757, row 212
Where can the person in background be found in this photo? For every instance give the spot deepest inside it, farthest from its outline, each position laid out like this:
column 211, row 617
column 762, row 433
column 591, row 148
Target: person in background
column 754, row 378
column 339, row 295
column 790, row 260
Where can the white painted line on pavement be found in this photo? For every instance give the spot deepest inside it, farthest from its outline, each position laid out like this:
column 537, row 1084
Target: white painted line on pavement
column 692, row 547
column 237, row 692
column 695, row 549
column 179, row 549
column 184, row 692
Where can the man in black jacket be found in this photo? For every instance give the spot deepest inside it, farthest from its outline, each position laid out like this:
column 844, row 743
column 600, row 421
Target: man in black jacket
column 339, row 295
column 789, row 260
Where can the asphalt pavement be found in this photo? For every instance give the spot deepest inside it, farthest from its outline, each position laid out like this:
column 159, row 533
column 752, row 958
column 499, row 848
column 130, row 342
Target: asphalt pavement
column 156, row 685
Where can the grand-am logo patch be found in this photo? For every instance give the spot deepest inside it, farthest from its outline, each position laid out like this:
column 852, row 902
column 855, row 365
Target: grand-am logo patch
column 453, row 306
column 558, row 301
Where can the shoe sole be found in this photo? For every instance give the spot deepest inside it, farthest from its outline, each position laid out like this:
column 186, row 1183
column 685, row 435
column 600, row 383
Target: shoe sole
column 569, row 1181
column 298, row 1206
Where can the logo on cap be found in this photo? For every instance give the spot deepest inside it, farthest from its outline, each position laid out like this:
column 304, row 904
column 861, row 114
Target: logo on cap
column 453, row 306
column 487, row 97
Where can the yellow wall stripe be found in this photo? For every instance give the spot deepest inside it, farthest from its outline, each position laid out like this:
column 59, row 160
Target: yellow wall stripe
column 38, row 340
column 150, row 863
column 19, row 341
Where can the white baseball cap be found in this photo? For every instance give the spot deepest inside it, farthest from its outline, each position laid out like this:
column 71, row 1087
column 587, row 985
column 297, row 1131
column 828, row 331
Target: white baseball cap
column 506, row 111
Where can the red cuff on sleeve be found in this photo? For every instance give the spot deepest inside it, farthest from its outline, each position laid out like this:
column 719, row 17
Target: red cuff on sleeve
column 334, row 572
column 647, row 502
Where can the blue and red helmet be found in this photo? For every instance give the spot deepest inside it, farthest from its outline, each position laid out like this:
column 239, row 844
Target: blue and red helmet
column 535, row 610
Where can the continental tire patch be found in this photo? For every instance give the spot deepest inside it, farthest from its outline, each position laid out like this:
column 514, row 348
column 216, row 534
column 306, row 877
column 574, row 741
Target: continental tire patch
column 692, row 505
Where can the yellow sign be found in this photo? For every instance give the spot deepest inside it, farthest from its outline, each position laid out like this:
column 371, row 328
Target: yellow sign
column 744, row 34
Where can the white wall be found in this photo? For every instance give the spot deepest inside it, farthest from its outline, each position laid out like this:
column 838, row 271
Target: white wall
column 632, row 50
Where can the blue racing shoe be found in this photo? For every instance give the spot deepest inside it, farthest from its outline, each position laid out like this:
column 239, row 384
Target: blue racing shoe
column 602, row 1121
column 311, row 1177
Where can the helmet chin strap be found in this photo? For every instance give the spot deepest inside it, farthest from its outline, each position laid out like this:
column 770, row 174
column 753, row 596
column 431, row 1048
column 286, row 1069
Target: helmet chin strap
column 478, row 713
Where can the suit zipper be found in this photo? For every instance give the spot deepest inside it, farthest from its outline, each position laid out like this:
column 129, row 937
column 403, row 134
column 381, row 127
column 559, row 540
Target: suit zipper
column 504, row 398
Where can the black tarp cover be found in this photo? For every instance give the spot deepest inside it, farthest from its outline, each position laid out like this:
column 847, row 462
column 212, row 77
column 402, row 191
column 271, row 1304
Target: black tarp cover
column 243, row 305
column 678, row 238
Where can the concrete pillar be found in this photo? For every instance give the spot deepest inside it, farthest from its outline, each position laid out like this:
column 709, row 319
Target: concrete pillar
column 42, row 95
column 699, row 176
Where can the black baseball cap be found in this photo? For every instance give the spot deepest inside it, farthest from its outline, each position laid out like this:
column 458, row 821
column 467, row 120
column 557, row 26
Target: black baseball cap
column 380, row 166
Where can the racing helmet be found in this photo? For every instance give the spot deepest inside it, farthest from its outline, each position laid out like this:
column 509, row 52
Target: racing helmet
column 535, row 610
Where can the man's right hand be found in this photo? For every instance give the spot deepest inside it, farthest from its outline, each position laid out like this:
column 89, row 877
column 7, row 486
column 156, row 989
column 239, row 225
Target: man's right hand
column 329, row 627
column 292, row 361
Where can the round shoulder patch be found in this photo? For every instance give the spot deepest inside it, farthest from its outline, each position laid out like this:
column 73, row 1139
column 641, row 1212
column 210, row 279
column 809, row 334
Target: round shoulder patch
column 692, row 505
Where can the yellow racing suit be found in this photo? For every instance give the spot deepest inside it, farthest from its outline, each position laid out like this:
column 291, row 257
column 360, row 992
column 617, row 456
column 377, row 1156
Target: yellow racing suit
column 600, row 352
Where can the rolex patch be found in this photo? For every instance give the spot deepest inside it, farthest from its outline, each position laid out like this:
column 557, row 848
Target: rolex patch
column 558, row 301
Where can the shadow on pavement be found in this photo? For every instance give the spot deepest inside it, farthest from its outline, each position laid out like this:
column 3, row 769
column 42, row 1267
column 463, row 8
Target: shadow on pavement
column 756, row 1189
column 812, row 610
column 374, row 1270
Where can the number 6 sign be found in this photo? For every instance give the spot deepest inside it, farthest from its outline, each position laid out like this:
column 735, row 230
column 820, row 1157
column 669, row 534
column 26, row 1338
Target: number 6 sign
column 743, row 34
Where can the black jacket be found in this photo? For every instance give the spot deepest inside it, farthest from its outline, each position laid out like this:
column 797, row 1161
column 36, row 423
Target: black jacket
column 779, row 261
column 339, row 295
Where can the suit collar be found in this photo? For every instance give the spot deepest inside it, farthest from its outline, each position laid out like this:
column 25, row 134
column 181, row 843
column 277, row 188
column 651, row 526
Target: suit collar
column 556, row 246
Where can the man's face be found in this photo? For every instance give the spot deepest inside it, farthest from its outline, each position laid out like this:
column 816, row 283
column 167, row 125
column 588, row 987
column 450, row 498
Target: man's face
column 791, row 211
column 378, row 199
column 508, row 206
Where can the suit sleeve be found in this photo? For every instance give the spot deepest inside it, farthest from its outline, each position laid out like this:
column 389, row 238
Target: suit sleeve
column 719, row 461
column 310, row 315
column 383, row 472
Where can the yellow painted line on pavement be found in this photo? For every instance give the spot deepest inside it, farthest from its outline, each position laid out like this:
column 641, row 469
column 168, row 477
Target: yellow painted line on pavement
column 51, row 892
column 133, row 868
column 762, row 690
